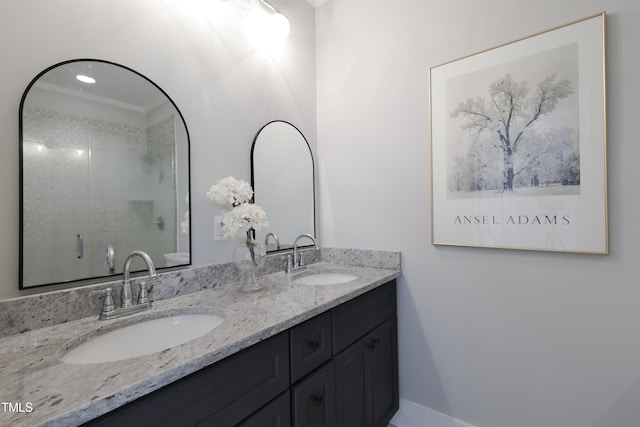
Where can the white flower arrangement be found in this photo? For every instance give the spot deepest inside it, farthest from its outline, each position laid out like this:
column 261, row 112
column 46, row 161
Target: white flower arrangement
column 233, row 193
column 242, row 218
column 230, row 192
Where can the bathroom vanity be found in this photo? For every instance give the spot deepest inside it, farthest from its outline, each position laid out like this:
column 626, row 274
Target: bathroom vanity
column 290, row 354
column 339, row 368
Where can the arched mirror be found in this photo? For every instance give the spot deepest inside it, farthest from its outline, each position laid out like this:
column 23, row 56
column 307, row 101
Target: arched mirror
column 104, row 171
column 283, row 184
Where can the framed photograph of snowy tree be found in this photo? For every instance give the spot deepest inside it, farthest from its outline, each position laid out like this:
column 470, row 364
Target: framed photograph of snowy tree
column 518, row 144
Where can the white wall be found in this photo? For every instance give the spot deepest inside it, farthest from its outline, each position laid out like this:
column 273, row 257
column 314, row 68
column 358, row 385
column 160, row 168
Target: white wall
column 495, row 338
column 196, row 50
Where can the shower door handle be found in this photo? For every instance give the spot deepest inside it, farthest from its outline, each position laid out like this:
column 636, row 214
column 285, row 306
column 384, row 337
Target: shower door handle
column 109, row 262
column 80, row 245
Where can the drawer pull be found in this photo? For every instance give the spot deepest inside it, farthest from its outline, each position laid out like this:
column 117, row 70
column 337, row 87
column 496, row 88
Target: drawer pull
column 315, row 344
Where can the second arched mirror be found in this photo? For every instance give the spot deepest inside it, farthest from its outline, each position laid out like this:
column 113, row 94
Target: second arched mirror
column 282, row 178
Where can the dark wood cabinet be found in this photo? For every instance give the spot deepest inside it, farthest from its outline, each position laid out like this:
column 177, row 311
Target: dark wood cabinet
column 364, row 363
column 339, row 368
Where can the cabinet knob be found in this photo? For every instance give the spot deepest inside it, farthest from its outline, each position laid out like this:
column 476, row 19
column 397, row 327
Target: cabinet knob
column 374, row 343
column 317, row 399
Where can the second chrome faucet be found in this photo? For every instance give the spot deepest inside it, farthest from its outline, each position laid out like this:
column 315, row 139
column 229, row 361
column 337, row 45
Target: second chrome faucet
column 295, row 260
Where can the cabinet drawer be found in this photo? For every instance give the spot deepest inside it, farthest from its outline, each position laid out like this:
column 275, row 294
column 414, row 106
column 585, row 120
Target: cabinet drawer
column 222, row 394
column 355, row 318
column 310, row 345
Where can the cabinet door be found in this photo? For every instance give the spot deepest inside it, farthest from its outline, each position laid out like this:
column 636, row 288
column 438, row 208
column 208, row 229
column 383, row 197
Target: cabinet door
column 383, row 349
column 314, row 399
column 353, row 386
column 275, row 414
column 367, row 379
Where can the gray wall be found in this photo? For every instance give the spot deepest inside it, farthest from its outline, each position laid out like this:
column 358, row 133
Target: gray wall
column 197, row 51
column 495, row 338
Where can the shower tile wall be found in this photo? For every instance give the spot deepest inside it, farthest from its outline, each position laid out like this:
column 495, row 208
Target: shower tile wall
column 111, row 179
column 159, row 169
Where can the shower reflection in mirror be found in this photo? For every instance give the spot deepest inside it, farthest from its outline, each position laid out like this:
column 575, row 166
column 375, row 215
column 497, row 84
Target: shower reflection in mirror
column 108, row 161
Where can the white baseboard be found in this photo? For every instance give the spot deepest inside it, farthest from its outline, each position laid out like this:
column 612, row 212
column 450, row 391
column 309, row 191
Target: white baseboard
column 412, row 414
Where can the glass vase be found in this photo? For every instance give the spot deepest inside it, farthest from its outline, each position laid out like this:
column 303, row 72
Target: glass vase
column 249, row 257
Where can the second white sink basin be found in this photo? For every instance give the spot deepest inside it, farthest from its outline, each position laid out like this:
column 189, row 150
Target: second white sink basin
column 324, row 278
column 142, row 338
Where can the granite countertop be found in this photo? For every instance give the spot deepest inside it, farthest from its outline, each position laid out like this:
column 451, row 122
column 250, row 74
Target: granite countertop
column 53, row 393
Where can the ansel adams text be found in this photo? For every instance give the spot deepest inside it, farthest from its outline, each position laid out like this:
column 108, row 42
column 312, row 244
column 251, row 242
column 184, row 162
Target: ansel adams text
column 513, row 220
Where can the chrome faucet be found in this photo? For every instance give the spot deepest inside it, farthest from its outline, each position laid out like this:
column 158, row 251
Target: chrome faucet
column 266, row 240
column 109, row 310
column 126, row 295
column 295, row 260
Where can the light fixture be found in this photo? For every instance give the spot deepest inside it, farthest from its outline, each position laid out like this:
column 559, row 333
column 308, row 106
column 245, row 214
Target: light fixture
column 277, row 24
column 85, row 79
column 267, row 29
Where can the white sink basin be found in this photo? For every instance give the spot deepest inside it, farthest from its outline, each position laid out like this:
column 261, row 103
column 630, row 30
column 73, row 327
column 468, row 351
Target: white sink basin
column 142, row 338
column 324, row 278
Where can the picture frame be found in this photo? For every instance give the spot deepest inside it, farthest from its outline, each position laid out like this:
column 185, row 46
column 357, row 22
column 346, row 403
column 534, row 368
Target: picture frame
column 518, row 144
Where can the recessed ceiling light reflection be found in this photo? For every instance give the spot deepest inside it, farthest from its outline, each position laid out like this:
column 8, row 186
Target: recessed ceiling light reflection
column 85, row 79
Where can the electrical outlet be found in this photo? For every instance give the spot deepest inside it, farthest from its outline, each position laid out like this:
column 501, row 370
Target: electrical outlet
column 217, row 229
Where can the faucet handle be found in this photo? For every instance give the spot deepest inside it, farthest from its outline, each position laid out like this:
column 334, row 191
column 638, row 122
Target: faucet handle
column 290, row 264
column 143, row 295
column 108, row 305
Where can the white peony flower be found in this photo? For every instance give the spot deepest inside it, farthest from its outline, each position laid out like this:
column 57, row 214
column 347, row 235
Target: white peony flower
column 242, row 218
column 229, row 192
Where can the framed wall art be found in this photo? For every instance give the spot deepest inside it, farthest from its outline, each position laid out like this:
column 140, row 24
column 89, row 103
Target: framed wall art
column 518, row 144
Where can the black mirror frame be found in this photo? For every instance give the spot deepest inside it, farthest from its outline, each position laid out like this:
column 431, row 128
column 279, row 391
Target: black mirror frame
column 313, row 174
